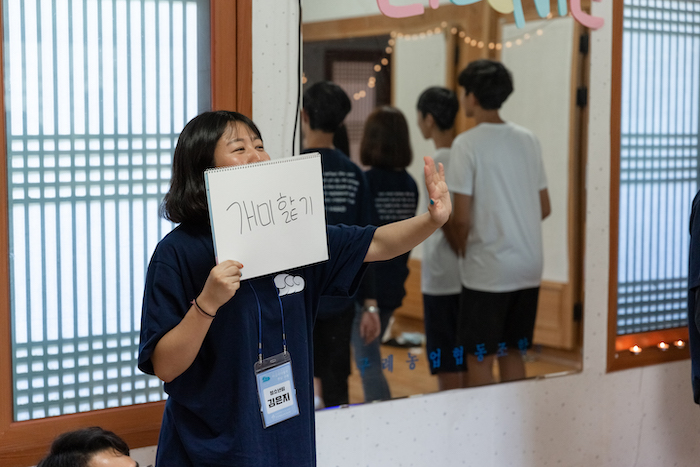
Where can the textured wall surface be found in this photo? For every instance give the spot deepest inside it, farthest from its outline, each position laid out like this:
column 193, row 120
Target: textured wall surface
column 640, row 417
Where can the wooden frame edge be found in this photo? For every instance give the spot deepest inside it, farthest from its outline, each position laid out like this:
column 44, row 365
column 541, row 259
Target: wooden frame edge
column 615, row 129
column 618, row 358
column 232, row 70
column 244, row 51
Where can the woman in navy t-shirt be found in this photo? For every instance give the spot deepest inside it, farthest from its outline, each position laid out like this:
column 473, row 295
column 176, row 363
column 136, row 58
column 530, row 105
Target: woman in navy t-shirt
column 200, row 324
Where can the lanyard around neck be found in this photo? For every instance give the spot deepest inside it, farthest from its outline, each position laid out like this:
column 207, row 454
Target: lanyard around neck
column 260, row 323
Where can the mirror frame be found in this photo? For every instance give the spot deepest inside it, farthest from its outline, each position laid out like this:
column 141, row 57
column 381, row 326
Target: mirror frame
column 567, row 297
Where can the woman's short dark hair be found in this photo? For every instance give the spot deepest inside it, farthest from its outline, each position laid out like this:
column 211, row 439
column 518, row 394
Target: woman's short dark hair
column 186, row 200
column 489, row 81
column 441, row 103
column 327, row 105
column 385, row 141
column 76, row 448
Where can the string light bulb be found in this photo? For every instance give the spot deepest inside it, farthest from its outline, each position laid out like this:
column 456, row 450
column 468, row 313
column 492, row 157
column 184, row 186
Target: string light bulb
column 454, row 30
column 679, row 344
column 663, row 346
column 635, row 349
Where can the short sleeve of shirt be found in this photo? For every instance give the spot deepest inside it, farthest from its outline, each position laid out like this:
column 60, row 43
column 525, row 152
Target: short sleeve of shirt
column 348, row 247
column 165, row 293
column 172, row 281
column 460, row 176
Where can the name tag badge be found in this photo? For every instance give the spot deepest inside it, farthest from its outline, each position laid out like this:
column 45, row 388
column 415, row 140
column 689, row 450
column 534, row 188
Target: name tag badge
column 276, row 392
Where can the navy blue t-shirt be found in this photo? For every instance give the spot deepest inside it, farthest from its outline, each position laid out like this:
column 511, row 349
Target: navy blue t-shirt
column 693, row 284
column 345, row 189
column 212, row 417
column 347, row 201
column 395, row 197
column 694, row 251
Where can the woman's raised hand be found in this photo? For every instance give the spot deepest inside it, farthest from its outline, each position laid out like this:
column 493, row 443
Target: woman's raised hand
column 439, row 204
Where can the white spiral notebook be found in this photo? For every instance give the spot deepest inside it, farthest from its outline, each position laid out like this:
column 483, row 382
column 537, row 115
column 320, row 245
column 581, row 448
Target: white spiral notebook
column 270, row 215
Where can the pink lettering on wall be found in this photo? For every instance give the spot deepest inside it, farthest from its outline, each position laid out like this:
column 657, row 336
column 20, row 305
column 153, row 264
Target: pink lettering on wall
column 417, row 9
column 585, row 19
column 404, row 11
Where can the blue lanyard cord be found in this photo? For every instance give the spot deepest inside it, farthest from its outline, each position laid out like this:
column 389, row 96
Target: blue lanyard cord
column 284, row 333
column 260, row 325
column 260, row 348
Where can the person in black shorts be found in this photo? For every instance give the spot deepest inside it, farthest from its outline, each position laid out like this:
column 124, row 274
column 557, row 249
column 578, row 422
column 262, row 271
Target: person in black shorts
column 497, row 178
column 437, row 108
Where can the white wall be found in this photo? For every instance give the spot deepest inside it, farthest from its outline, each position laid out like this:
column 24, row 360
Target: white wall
column 425, row 62
column 641, row 417
column 541, row 68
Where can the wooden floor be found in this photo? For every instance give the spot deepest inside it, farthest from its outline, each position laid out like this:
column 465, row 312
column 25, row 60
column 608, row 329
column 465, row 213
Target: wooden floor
column 404, row 381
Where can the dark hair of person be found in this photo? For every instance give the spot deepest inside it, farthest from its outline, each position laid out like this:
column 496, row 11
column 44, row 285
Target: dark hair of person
column 385, row 141
column 186, row 200
column 76, row 448
column 489, row 80
column 327, row 105
column 341, row 141
column 441, row 103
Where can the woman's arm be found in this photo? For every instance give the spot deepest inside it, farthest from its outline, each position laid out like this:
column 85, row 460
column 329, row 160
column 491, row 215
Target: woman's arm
column 177, row 349
column 392, row 240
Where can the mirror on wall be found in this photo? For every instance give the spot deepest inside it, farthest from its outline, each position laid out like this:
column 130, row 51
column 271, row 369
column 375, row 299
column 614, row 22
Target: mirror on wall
column 389, row 61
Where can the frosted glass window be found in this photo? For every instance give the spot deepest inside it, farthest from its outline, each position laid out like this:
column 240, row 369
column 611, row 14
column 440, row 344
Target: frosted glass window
column 96, row 93
column 659, row 161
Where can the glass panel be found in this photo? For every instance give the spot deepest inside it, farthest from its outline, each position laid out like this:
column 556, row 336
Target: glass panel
column 96, row 94
column 659, row 161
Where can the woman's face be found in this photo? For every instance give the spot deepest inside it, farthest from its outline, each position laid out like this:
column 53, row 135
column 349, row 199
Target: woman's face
column 239, row 146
